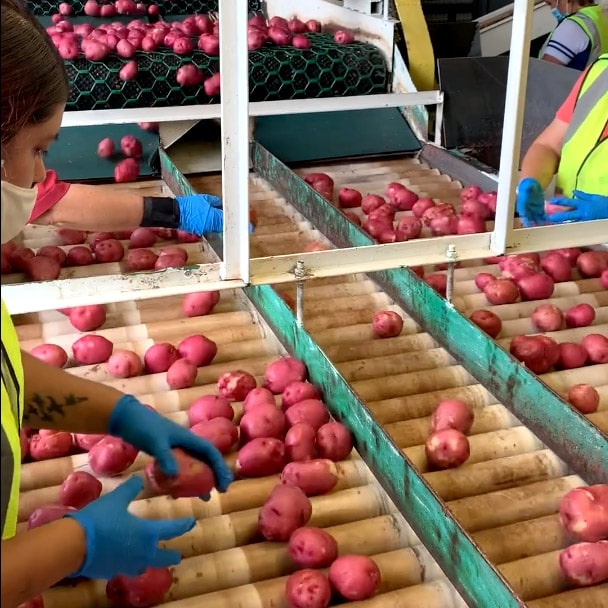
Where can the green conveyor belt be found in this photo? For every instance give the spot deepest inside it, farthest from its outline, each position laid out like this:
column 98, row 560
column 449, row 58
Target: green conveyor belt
column 74, row 154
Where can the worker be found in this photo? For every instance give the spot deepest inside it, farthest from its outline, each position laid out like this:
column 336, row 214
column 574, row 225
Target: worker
column 581, row 35
column 101, row 539
column 575, row 146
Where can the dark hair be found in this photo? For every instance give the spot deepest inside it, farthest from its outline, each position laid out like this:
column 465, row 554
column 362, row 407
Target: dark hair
column 34, row 80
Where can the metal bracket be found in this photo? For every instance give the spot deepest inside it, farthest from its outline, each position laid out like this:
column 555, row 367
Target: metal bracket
column 300, row 275
column 452, row 257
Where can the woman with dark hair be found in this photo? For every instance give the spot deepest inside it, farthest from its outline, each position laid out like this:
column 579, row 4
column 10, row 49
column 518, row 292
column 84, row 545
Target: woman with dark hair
column 102, row 539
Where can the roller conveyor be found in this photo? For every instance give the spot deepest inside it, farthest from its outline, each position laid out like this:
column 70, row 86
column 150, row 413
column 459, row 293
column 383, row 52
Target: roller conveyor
column 505, row 496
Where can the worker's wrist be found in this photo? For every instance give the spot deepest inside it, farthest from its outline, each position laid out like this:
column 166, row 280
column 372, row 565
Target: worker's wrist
column 75, row 547
column 160, row 212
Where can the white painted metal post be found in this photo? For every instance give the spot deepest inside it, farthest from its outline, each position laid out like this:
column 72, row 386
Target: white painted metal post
column 515, row 100
column 234, row 68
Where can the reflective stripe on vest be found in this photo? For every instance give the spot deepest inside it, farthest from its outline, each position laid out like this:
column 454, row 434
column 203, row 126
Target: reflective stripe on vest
column 584, row 160
column 594, row 23
column 12, row 409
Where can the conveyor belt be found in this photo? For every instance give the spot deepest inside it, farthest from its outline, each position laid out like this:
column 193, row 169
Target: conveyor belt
column 506, row 495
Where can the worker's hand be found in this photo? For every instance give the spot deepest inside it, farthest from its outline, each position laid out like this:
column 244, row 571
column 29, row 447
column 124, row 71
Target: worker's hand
column 530, row 203
column 120, row 543
column 156, row 435
column 583, row 207
column 200, row 213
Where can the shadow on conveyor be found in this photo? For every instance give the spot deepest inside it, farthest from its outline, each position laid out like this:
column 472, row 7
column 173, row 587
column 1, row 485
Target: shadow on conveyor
column 475, row 89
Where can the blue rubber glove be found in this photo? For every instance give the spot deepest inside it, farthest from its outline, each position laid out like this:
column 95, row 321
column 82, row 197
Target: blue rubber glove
column 200, row 213
column 156, row 435
column 584, row 208
column 530, row 203
column 120, row 543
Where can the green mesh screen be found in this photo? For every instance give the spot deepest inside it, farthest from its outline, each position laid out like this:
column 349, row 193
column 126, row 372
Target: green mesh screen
column 325, row 70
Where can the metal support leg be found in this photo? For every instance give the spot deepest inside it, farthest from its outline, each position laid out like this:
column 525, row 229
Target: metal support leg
column 299, row 274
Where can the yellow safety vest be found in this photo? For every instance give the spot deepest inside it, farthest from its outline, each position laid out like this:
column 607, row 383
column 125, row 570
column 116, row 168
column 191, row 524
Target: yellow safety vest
column 594, row 22
column 12, row 411
column 584, row 160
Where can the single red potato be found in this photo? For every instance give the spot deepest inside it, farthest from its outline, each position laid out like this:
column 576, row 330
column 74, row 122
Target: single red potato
column 85, row 441
column 52, row 251
column 45, row 515
column 583, row 512
column 258, row 396
column 198, row 349
column 596, row 346
column 208, row 407
column 142, row 237
column 313, row 477
column 261, row 457
column 371, row 202
column 285, row 510
column 262, row 421
column 547, row 317
column 571, row 355
column 51, row 354
column 20, row 257
column 298, row 391
column 592, row 263
column 200, row 303
column 604, row 279
column 487, row 321
column 420, row 207
column 147, row 589
column 301, row 442
column 538, row 353
column 124, row 364
column 212, row 85
column 386, row 324
column 557, row 267
column 279, row 374
column 88, row 318
column 334, row 441
column 221, row 432
column 127, row 170
column 580, row 315
column 308, row 589
column 79, row 256
column 584, row 398
column 348, row 198
column 108, row 250
column 91, row 349
column 400, row 197
column 235, row 385
column 182, row 374
column 111, row 456
column 41, row 268
column 482, row 279
column 312, row 547
column 447, row 449
column 311, row 411
column 131, row 146
column 452, row 414
column 585, row 564
column 194, row 477
column 322, row 183
column 470, row 193
column 501, row 291
column 438, row 281
column 79, row 489
column 160, row 357
column 47, row 446
column 343, row 37
column 355, row 577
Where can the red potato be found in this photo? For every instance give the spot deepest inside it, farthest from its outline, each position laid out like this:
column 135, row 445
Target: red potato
column 296, row 26
column 235, row 385
column 400, row 197
column 307, row 589
column 189, row 75
column 408, row 227
column 6, row 265
column 221, row 432
column 311, row 411
column 94, row 50
column 580, row 315
column 371, row 202
column 128, row 71
column 596, row 346
column 279, row 35
column 107, row 10
column 298, row 391
column 285, row 510
column 127, row 170
column 547, row 317
column 183, row 46
column 194, row 477
column 334, row 441
column 470, row 193
column 138, row 260
column 570, row 253
column 447, row 449
column 149, row 44
column 583, row 512
column 256, row 397
column 209, row 44
column 482, row 279
column 65, row 9
column 313, row 477
column 92, row 349
column 126, row 49
column 198, row 349
column 301, row 442
column 79, row 489
column 348, row 198
column 131, row 147
column 313, row 26
column 48, row 446
column 585, row 564
column 256, row 38
column 452, row 414
column 592, row 263
column 160, row 357
column 147, row 589
column 387, row 236
column 475, row 209
column 385, row 213
column 111, row 456
column 261, row 457
column 487, row 321
column 557, row 267
column 501, row 291
column 604, row 279
column 279, row 22
column 571, row 355
column 538, row 353
column 438, row 281
column 142, row 237
column 209, row 407
column 51, row 354
column 182, row 374
column 470, row 224
column 322, row 183
column 124, row 364
column 19, row 257
column 585, row 399
column 355, row 577
column 42, row 268
column 148, row 126
column 377, row 226
column 443, row 225
column 85, row 441
column 88, row 318
column 538, row 286
column 45, row 515
column 212, row 85
column 312, row 547
column 489, row 199
column 107, row 251
column 300, row 41
column 52, row 251
column 279, row 374
column 518, row 266
column 386, row 324
column 262, row 421
column 79, row 256
column 420, row 207
column 343, row 37
column 200, row 303
column 187, row 237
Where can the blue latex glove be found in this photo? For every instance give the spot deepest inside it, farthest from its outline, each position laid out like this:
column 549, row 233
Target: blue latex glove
column 200, row 213
column 156, row 435
column 120, row 543
column 530, row 203
column 585, row 207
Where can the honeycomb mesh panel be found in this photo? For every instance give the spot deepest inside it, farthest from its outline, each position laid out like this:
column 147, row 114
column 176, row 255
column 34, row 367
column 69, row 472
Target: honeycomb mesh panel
column 169, row 7
column 325, row 70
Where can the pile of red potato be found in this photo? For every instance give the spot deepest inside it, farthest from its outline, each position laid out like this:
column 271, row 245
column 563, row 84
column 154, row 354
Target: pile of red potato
column 126, row 170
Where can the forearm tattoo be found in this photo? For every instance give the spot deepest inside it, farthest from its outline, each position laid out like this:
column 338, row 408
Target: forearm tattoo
column 48, row 409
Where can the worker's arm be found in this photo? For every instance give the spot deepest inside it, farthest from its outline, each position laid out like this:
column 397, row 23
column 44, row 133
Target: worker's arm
column 552, row 59
column 35, row 560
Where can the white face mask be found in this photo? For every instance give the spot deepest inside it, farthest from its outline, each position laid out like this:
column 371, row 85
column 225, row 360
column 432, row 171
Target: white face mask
column 17, row 205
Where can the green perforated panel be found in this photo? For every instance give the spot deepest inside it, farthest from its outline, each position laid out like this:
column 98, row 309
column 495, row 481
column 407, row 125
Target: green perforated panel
column 325, row 70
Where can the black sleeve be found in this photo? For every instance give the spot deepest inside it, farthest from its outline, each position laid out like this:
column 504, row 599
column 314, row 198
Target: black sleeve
column 160, row 212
